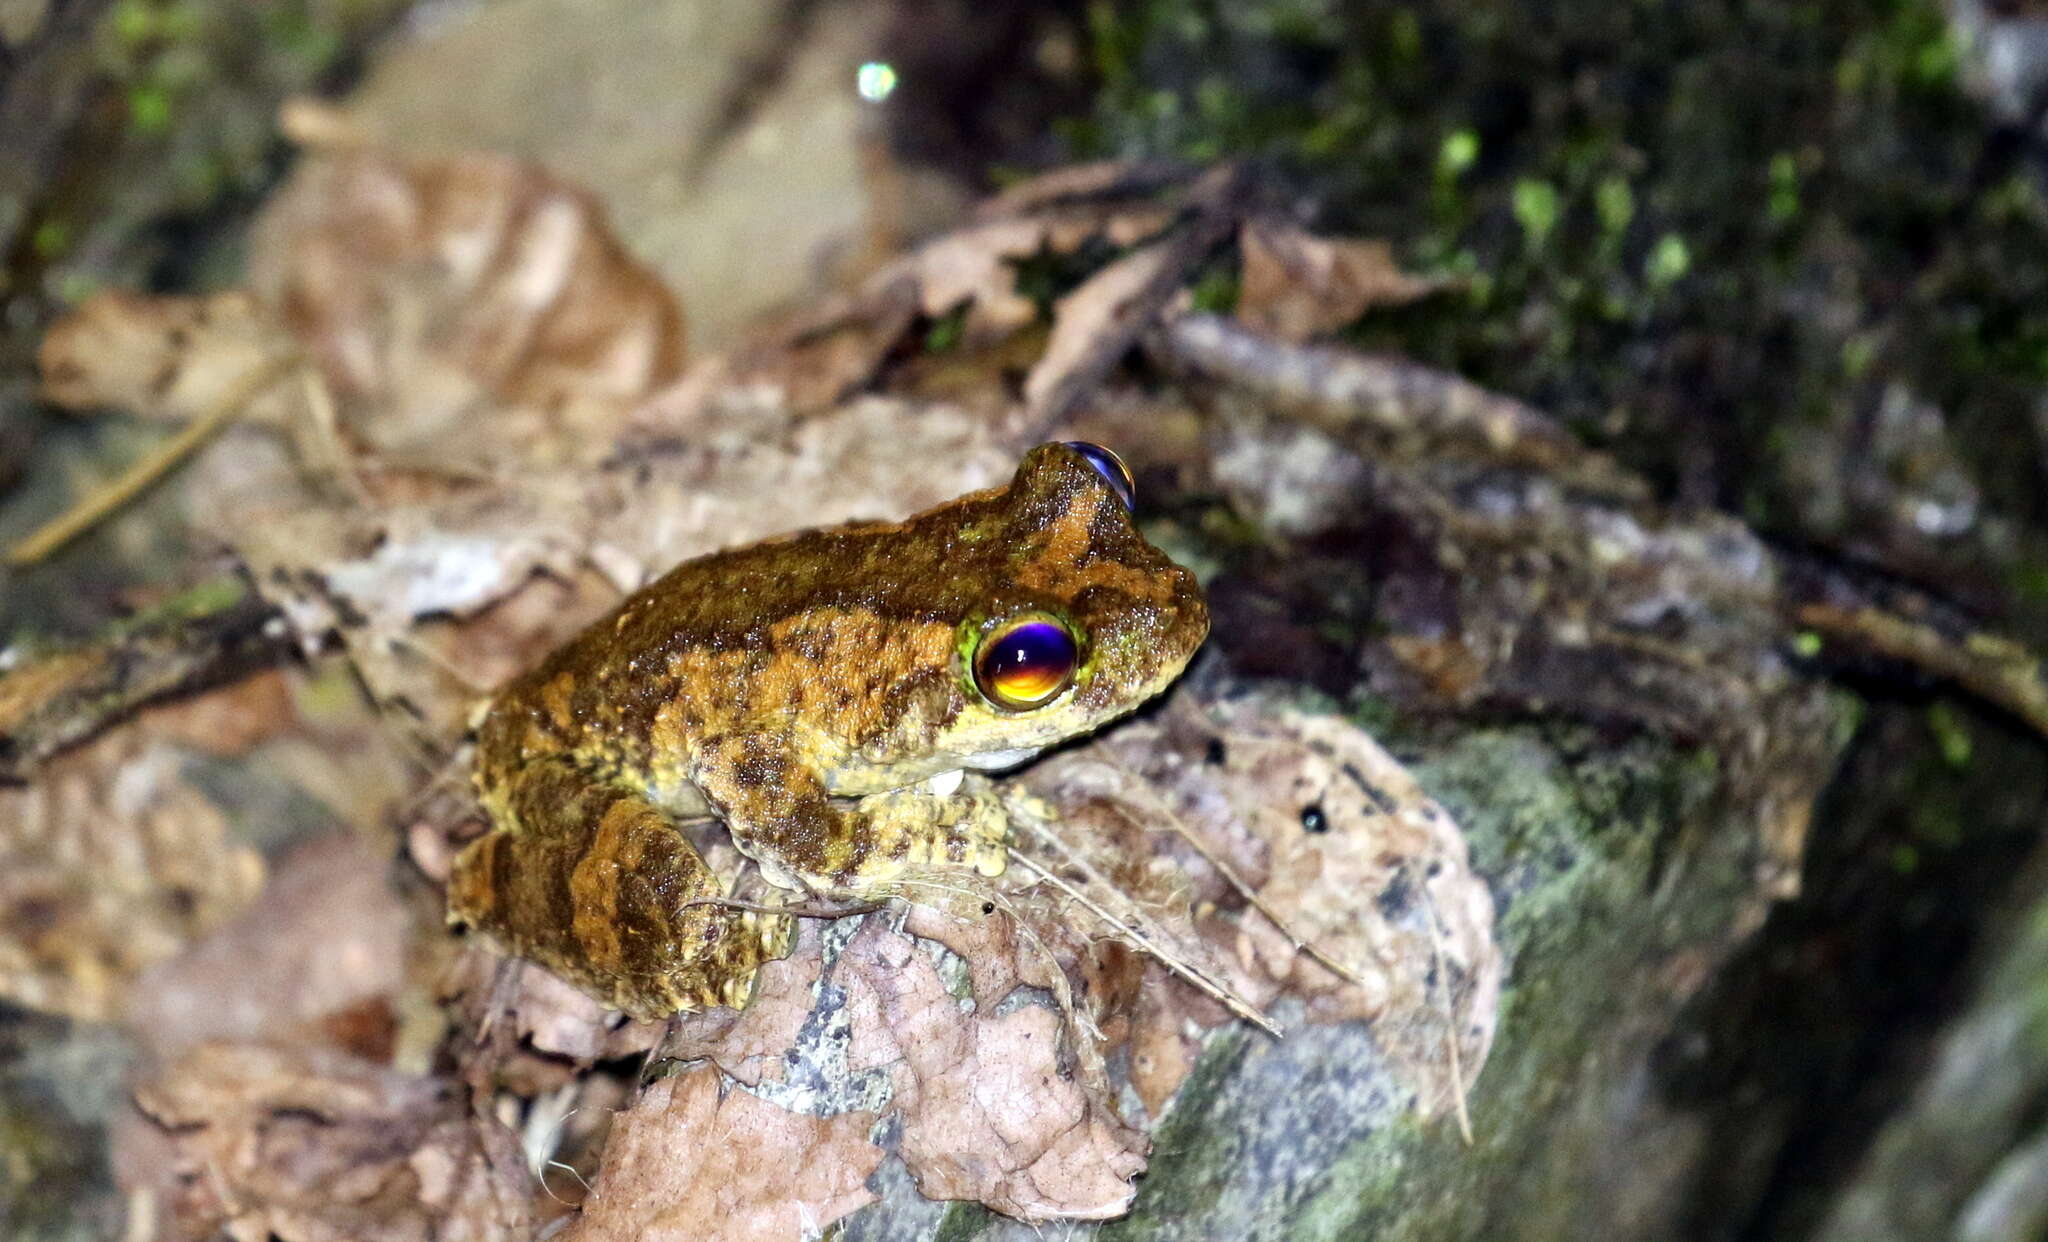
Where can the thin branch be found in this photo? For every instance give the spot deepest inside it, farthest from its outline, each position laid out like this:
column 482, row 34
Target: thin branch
column 1173, row 961
column 153, row 467
column 1301, row 943
column 1436, row 941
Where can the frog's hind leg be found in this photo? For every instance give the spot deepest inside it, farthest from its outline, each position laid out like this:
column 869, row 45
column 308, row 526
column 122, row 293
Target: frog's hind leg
column 602, row 887
column 780, row 814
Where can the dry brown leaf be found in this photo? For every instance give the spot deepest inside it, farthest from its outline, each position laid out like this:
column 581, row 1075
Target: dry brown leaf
column 433, row 293
column 986, row 1110
column 305, row 1144
column 434, row 298
column 750, row 1044
column 975, row 267
column 231, row 721
column 825, row 354
column 1305, row 812
column 1117, row 181
column 111, row 861
column 695, row 1162
column 1296, row 285
column 170, row 358
column 999, row 955
column 1165, row 1042
column 325, row 941
column 439, row 299
column 1082, row 318
column 1380, row 835
column 987, row 1114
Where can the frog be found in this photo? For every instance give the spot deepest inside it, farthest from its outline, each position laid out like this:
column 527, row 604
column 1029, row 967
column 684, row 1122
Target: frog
column 838, row 698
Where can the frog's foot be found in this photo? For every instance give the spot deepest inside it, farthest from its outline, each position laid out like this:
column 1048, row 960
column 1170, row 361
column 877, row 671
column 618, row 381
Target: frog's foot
column 599, row 886
column 806, row 839
column 969, row 829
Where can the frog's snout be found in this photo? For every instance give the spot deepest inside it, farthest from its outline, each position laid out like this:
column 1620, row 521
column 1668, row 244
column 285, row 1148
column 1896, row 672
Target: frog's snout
column 1190, row 625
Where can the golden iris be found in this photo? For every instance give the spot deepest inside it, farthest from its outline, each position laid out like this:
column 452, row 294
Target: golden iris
column 1112, row 469
column 1026, row 661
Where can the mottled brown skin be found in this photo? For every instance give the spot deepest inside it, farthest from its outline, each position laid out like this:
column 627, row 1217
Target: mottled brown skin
column 805, row 690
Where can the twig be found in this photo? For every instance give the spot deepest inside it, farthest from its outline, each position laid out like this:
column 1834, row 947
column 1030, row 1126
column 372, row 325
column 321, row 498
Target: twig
column 209, row 635
column 1997, row 670
column 1176, row 962
column 1062, row 987
column 325, row 434
column 795, row 910
column 1231, row 877
column 1173, row 961
column 153, row 466
column 1436, row 941
column 1381, row 404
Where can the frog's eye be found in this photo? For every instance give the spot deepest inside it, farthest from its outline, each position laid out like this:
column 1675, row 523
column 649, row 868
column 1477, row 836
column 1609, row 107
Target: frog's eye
column 1026, row 661
column 1111, row 468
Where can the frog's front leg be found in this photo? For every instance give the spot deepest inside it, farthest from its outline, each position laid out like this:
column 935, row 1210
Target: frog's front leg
column 781, row 815
column 602, row 887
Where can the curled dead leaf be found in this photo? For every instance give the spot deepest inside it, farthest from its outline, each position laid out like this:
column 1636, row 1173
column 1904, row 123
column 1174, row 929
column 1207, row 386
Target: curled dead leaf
column 169, row 358
column 695, row 1160
column 432, row 292
column 1296, row 285
column 1312, row 865
column 306, row 1144
column 1099, row 310
column 111, row 861
column 987, row 1114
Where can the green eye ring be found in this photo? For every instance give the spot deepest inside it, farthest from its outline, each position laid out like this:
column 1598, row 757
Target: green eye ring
column 1025, row 661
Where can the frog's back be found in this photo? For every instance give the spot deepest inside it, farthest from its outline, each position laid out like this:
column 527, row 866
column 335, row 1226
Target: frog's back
column 821, row 626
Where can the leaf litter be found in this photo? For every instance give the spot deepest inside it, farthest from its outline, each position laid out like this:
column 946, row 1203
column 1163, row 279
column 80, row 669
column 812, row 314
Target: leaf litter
column 1010, row 1041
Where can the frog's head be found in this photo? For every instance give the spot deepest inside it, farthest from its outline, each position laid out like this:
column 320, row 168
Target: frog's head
column 1082, row 619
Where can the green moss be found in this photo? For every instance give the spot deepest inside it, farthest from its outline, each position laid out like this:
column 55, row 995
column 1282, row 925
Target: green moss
column 1621, row 193
column 963, row 1222
column 1569, row 832
column 1536, row 209
column 1951, row 733
column 209, row 598
column 1193, row 1155
column 945, row 333
column 149, row 109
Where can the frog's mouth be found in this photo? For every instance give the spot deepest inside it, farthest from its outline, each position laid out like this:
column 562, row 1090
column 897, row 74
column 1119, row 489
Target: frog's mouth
column 1001, row 760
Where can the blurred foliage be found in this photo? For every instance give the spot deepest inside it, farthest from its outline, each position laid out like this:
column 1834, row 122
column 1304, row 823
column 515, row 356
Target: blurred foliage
column 178, row 134
column 1685, row 227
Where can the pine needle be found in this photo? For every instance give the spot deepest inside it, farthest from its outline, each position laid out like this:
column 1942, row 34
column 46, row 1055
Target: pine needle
column 154, row 465
column 1164, row 953
column 1230, row 876
column 1436, row 940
